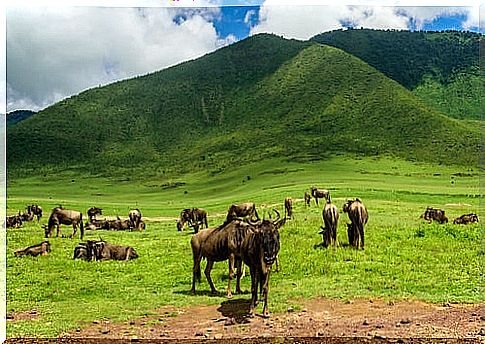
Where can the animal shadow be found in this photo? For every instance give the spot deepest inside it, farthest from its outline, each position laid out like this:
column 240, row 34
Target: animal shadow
column 237, row 309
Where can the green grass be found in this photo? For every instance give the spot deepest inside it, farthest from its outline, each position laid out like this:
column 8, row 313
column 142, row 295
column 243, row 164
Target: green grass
column 404, row 258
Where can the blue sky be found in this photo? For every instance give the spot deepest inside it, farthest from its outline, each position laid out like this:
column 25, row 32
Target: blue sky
column 56, row 52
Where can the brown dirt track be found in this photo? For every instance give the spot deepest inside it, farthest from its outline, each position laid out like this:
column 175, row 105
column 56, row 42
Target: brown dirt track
column 322, row 321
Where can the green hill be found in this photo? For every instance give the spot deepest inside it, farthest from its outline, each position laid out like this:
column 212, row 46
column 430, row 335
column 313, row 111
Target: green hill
column 17, row 116
column 442, row 68
column 262, row 97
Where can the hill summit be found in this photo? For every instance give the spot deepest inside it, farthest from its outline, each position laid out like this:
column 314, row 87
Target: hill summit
column 262, row 97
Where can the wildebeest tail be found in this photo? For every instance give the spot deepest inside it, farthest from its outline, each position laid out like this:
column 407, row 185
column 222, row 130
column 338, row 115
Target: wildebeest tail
column 81, row 226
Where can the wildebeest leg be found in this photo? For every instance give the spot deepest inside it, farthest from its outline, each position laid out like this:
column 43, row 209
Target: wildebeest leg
column 277, row 262
column 58, row 229
column 254, row 291
column 265, row 281
column 231, row 274
column 361, row 234
column 238, row 275
column 74, row 229
column 195, row 272
column 207, row 273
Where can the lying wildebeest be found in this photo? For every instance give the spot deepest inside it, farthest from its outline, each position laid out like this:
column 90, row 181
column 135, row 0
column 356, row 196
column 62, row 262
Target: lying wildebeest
column 432, row 214
column 82, row 251
column 135, row 217
column 26, row 217
column 96, row 224
column 358, row 216
column 93, row 211
column 259, row 250
column 466, row 219
column 66, row 217
column 330, row 218
column 36, row 210
column 103, row 250
column 242, row 210
column 14, row 221
column 119, row 225
column 319, row 193
column 288, row 207
column 308, row 199
column 219, row 244
column 40, row 249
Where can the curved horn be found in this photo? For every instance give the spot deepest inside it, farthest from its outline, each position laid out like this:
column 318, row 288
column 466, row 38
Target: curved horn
column 252, row 223
column 277, row 214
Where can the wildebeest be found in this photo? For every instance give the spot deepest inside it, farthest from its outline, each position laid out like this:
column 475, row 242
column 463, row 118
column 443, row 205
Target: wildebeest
column 93, row 211
column 66, row 217
column 466, row 219
column 358, row 216
column 288, row 207
column 259, row 250
column 308, row 199
column 96, row 224
column 195, row 217
column 219, row 244
column 319, row 193
column 242, row 210
column 330, row 217
column 36, row 210
column 103, row 250
column 432, row 214
column 40, row 249
column 119, row 225
column 26, row 217
column 185, row 217
column 135, row 217
column 14, row 221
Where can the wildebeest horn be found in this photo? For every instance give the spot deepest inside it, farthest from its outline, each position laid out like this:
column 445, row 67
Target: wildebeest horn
column 252, row 223
column 277, row 214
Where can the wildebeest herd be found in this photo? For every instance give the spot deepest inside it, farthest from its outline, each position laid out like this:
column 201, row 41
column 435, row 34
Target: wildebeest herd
column 242, row 238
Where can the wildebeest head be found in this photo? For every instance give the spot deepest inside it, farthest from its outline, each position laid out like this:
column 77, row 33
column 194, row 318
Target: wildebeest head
column 270, row 241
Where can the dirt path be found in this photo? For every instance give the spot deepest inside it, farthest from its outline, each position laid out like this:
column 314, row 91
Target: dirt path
column 371, row 319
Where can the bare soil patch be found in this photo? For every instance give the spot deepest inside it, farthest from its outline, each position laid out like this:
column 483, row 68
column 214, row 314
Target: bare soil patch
column 321, row 318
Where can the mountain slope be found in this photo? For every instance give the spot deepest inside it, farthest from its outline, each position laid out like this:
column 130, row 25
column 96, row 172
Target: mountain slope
column 442, row 68
column 261, row 97
column 17, row 116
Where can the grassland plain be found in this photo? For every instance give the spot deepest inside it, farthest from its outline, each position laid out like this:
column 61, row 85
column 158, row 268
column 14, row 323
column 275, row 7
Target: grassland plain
column 405, row 258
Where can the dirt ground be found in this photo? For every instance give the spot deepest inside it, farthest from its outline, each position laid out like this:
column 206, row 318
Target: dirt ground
column 371, row 319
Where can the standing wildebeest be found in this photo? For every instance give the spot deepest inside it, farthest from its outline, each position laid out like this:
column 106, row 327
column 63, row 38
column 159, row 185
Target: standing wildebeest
column 93, row 211
column 432, row 214
column 259, row 250
column 216, row 245
column 242, row 210
column 466, row 219
column 66, row 217
column 308, row 199
column 199, row 219
column 135, row 217
column 319, row 193
column 358, row 217
column 288, row 207
column 330, row 218
column 40, row 249
column 185, row 217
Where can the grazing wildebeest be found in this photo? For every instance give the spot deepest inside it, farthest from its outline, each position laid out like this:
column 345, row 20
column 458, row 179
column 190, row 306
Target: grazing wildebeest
column 242, row 210
column 259, row 250
column 358, row 216
column 432, row 214
column 135, row 217
column 36, row 210
column 103, row 250
column 216, row 245
column 330, row 218
column 93, row 211
column 308, row 199
column 14, row 221
column 195, row 217
column 66, row 217
column 466, row 219
column 40, row 249
column 319, row 193
column 185, row 217
column 288, row 207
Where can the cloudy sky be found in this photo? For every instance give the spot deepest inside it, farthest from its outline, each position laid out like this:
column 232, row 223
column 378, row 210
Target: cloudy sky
column 54, row 51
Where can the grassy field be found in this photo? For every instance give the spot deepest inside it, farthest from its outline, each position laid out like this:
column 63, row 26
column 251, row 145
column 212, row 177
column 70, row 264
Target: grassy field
column 405, row 258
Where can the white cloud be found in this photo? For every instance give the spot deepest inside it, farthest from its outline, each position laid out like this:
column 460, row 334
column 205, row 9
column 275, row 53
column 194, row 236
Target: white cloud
column 56, row 52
